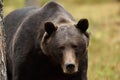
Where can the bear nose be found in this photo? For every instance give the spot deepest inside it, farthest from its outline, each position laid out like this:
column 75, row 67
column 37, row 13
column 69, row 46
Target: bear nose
column 70, row 67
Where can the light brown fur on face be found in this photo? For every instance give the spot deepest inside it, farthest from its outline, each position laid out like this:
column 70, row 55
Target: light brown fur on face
column 69, row 57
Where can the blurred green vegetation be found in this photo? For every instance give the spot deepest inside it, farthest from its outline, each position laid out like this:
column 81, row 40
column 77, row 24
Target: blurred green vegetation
column 104, row 18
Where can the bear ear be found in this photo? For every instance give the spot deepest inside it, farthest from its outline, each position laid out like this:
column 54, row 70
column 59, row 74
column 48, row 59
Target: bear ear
column 82, row 25
column 50, row 28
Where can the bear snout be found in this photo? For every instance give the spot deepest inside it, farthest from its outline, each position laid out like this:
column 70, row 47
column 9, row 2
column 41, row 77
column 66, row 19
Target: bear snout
column 70, row 63
column 70, row 68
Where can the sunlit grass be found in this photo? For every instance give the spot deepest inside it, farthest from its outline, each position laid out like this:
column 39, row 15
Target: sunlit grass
column 104, row 49
column 12, row 5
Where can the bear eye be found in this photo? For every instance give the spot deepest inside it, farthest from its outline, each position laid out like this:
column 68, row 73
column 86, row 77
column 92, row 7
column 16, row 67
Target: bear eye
column 61, row 47
column 74, row 46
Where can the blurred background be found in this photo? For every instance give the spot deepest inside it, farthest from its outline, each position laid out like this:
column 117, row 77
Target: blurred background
column 104, row 19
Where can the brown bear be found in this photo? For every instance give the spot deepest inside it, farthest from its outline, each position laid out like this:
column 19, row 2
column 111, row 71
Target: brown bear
column 46, row 44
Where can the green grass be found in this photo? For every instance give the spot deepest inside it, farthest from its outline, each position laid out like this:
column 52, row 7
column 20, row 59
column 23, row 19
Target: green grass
column 104, row 48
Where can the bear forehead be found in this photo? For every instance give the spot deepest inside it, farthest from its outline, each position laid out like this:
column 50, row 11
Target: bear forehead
column 68, row 34
column 67, row 30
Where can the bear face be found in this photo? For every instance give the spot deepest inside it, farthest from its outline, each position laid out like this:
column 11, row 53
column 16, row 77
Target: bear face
column 66, row 44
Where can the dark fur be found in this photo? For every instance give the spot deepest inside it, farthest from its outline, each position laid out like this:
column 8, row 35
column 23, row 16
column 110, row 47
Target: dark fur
column 24, row 30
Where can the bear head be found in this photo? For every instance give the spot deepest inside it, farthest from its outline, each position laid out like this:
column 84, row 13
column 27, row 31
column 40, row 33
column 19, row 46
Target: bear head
column 66, row 44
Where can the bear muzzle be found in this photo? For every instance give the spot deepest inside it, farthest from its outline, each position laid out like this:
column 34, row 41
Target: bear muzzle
column 70, row 64
column 70, row 68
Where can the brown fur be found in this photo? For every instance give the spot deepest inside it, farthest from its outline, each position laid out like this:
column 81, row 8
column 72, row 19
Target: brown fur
column 43, row 42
